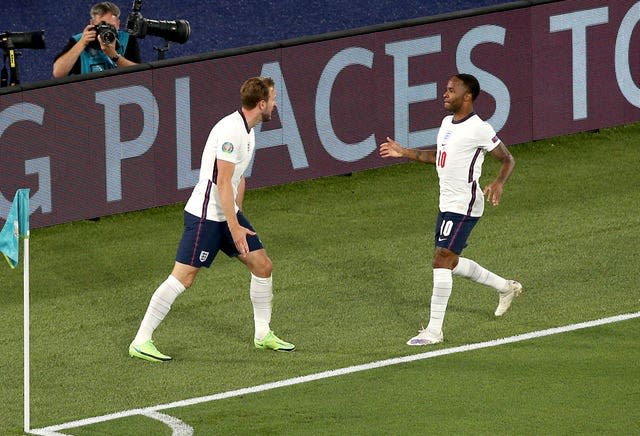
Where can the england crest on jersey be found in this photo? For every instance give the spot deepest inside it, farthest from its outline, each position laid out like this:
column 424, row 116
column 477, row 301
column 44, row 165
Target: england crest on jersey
column 203, row 255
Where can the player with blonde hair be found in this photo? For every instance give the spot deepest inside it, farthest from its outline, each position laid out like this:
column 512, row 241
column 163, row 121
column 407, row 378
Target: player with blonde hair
column 213, row 222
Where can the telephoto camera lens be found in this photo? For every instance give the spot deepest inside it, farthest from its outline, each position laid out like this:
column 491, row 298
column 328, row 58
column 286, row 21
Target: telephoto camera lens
column 33, row 40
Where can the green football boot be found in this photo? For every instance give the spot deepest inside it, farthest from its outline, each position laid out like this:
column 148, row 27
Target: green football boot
column 272, row 342
column 147, row 351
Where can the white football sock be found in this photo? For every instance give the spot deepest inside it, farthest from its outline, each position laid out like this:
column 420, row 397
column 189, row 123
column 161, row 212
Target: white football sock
column 159, row 306
column 471, row 270
column 261, row 292
column 442, row 284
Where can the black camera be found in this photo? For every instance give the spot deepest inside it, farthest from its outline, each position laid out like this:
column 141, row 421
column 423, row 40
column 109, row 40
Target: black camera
column 138, row 26
column 106, row 32
column 9, row 42
column 34, row 40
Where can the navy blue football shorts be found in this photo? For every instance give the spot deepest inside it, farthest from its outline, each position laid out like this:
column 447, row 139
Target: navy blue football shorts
column 453, row 230
column 202, row 239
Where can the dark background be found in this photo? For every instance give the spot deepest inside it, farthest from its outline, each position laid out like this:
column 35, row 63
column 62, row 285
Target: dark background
column 215, row 25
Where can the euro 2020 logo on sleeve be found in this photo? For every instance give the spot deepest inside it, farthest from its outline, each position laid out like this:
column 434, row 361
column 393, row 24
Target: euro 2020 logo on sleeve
column 227, row 147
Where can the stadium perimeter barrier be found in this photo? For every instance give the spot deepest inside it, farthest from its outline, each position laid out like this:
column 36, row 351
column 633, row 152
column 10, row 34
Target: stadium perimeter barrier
column 131, row 139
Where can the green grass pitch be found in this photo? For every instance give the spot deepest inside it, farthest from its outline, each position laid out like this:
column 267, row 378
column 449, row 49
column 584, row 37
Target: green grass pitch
column 352, row 281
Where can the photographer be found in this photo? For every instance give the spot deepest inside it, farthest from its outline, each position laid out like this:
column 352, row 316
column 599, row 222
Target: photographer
column 100, row 46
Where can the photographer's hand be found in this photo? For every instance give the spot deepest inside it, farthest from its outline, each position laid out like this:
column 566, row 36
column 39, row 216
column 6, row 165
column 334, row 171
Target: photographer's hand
column 116, row 58
column 108, row 49
column 88, row 35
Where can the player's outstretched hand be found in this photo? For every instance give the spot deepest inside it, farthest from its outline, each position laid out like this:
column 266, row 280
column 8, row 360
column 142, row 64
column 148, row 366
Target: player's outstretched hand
column 493, row 193
column 390, row 148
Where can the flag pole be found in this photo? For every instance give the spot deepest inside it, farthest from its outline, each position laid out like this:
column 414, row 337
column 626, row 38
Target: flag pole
column 15, row 227
column 27, row 396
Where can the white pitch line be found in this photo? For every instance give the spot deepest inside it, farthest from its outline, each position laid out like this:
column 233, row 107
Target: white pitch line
column 51, row 430
column 178, row 428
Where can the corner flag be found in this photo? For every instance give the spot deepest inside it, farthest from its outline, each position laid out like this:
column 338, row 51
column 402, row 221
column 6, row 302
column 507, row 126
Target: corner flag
column 16, row 227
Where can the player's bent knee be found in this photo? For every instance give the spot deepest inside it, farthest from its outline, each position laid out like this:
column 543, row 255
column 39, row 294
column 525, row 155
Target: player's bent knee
column 262, row 267
column 444, row 258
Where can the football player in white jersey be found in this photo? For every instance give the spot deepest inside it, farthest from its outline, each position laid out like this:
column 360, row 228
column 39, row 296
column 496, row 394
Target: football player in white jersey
column 463, row 140
column 213, row 222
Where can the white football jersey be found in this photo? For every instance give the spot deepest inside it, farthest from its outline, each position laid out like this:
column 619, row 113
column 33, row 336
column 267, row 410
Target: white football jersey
column 229, row 140
column 460, row 153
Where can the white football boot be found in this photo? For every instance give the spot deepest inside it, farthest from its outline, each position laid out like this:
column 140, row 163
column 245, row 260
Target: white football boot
column 425, row 337
column 506, row 297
